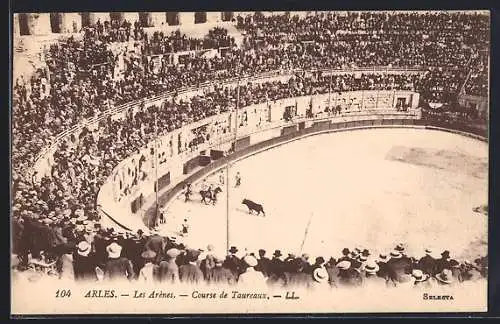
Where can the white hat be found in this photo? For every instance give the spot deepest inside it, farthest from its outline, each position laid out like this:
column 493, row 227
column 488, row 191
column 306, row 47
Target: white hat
column 371, row 267
column 83, row 248
column 395, row 254
column 320, row 274
column 250, row 260
column 419, row 275
column 344, row 265
column 114, row 250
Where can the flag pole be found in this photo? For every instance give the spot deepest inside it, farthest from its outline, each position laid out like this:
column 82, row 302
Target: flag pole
column 228, row 163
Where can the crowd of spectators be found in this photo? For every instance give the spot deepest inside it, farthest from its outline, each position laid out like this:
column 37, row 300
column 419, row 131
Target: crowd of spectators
column 81, row 81
column 92, row 254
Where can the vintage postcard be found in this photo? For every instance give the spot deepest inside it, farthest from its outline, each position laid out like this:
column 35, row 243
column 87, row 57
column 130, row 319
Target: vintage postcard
column 249, row 162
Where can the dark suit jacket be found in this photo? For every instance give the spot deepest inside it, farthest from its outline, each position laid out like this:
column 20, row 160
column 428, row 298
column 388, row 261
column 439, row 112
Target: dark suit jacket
column 84, row 267
column 398, row 268
column 120, row 268
column 428, row 265
column 263, row 266
column 234, row 264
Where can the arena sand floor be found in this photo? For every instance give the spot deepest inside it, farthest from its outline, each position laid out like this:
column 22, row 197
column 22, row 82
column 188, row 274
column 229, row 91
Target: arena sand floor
column 366, row 188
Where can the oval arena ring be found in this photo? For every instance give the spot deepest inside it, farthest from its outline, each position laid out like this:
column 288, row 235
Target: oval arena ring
column 366, row 188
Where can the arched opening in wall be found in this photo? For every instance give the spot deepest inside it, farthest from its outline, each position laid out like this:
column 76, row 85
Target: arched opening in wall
column 227, row 15
column 200, row 17
column 85, row 19
column 117, row 16
column 173, row 18
column 23, row 24
column 145, row 19
column 56, row 22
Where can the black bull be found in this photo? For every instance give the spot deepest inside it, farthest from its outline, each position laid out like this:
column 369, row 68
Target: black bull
column 252, row 206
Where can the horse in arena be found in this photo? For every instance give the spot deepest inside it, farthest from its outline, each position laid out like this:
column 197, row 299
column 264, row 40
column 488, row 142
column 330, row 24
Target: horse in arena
column 211, row 195
column 252, row 206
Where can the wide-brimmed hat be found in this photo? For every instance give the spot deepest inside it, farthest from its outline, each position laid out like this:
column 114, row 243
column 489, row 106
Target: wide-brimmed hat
column 83, row 248
column 344, row 265
column 382, row 257
column 233, row 249
column 251, row 261
column 395, row 254
column 192, row 255
column 371, row 267
column 445, row 254
column 114, row 250
column 362, row 258
column 419, row 275
column 320, row 275
column 148, row 255
column 428, row 251
column 277, row 253
column 173, row 253
column 399, row 247
column 445, row 276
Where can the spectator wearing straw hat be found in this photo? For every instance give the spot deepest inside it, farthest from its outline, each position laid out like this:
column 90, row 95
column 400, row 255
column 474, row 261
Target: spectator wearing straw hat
column 84, row 262
column 169, row 270
column 421, row 279
column 117, row 267
column 250, row 277
column 148, row 273
column 320, row 278
column 218, row 274
column 208, row 261
column 190, row 273
column 384, row 270
column 348, row 276
column 345, row 255
column 399, row 267
column 371, row 278
column 445, row 278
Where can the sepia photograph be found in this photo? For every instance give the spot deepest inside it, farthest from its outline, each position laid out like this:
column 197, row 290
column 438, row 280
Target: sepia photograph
column 249, row 162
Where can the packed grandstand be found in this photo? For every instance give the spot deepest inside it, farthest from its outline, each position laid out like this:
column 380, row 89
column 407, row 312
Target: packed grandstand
column 55, row 217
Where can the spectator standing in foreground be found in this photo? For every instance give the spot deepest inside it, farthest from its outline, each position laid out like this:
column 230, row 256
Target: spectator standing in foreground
column 250, row 277
column 190, row 273
column 169, row 270
column 220, row 275
column 117, row 267
column 148, row 273
column 84, row 263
